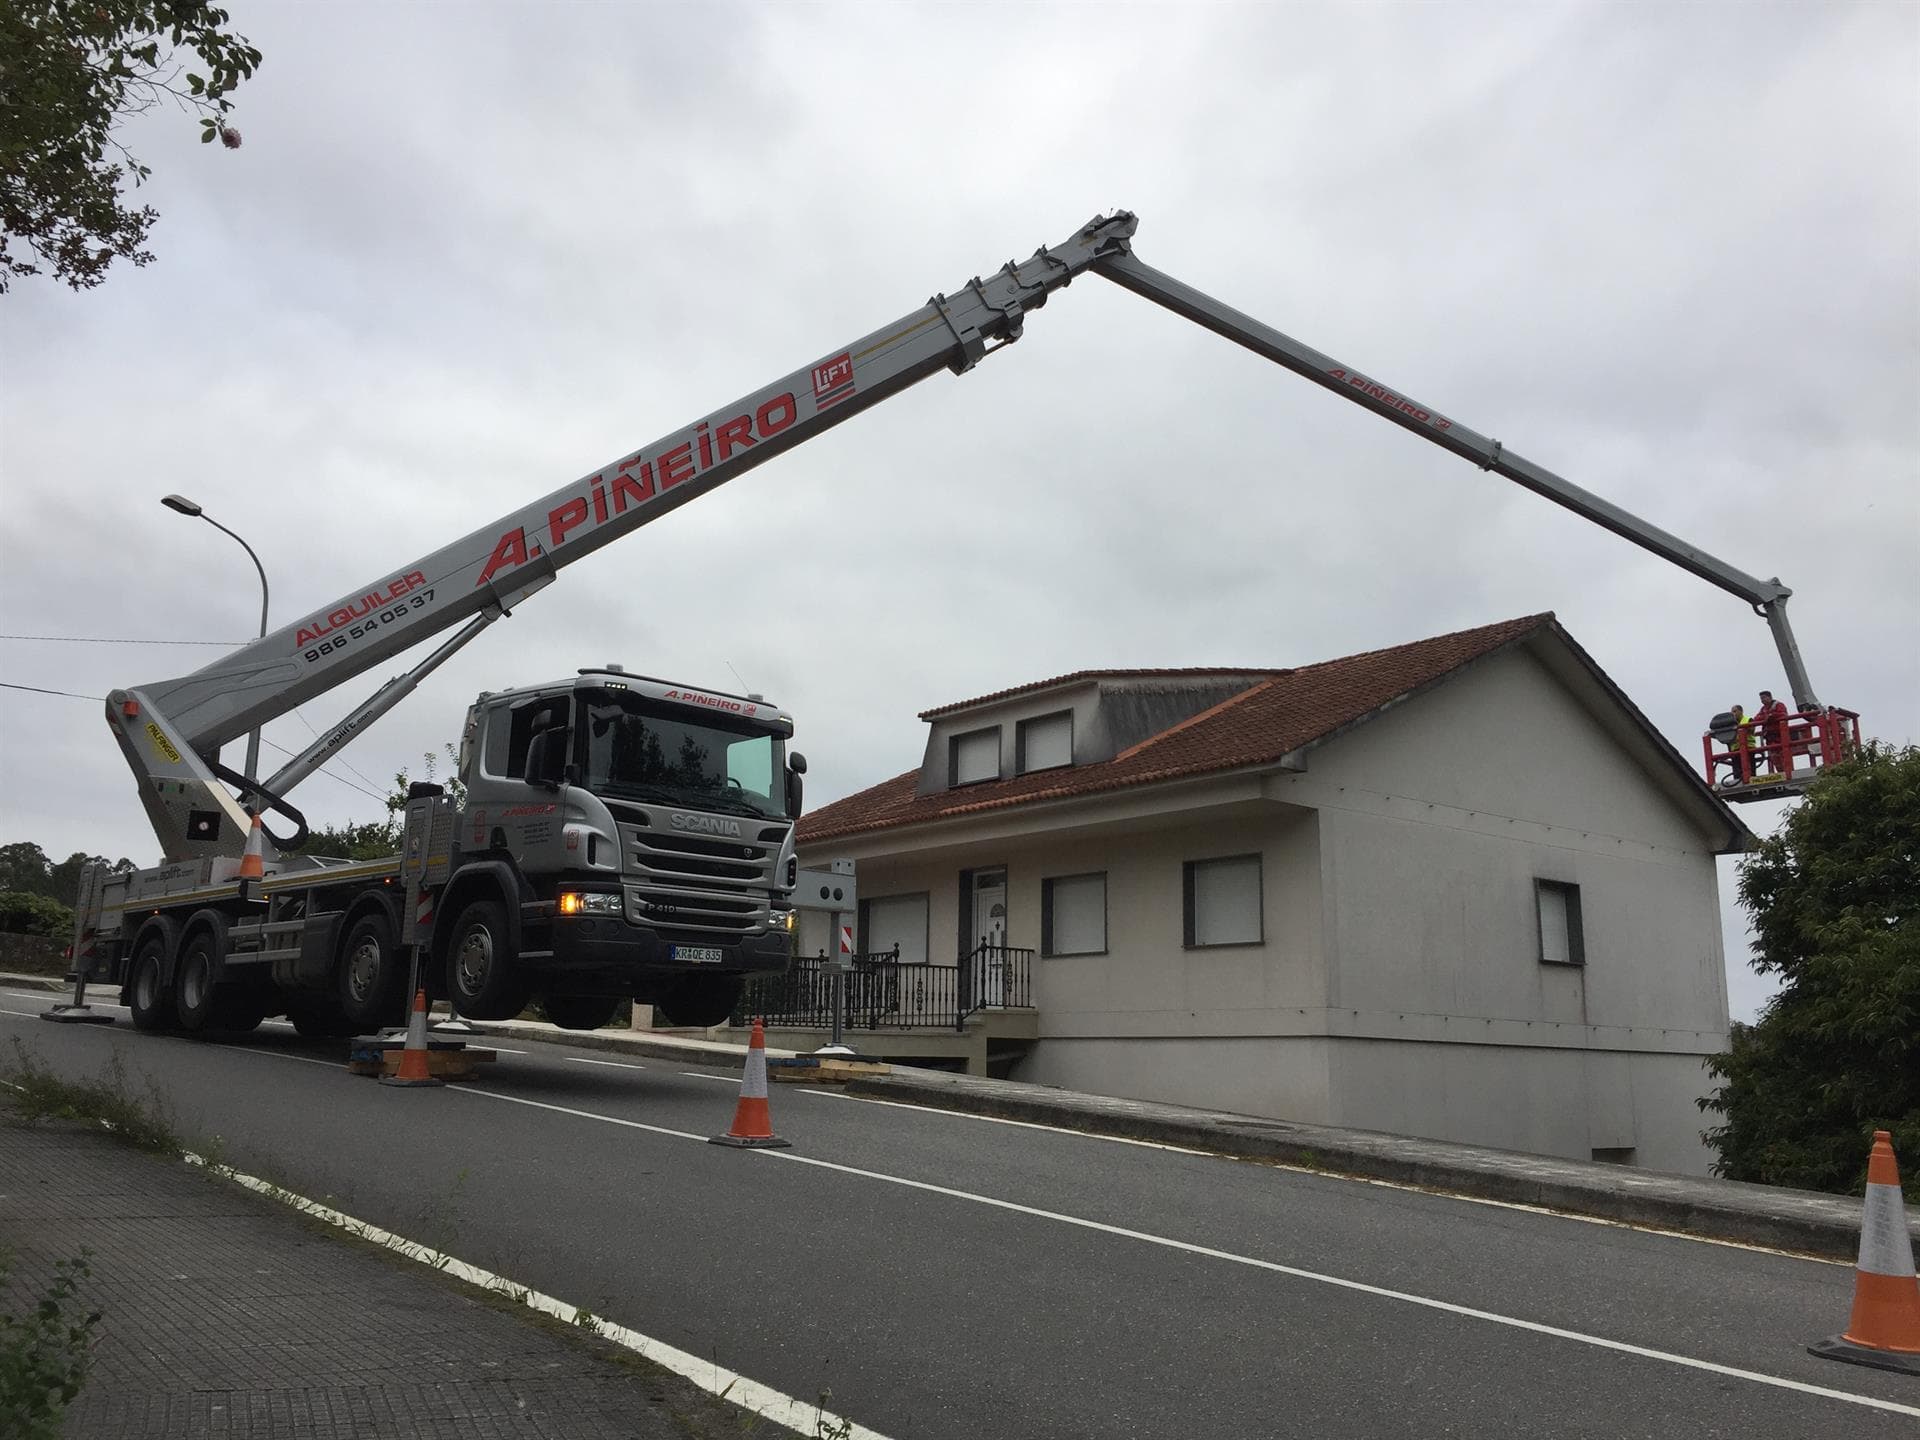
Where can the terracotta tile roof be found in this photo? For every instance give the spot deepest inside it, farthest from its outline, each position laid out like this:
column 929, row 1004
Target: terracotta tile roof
column 1192, row 672
column 1275, row 715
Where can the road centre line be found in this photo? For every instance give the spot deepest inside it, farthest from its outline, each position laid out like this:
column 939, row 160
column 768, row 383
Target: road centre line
column 616, row 1064
column 1209, row 1252
column 702, row 1075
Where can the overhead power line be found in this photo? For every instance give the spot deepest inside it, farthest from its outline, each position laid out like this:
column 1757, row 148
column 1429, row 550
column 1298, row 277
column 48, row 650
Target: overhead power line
column 122, row 640
column 76, row 695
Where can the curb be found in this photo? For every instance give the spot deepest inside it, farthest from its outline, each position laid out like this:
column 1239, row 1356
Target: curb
column 1826, row 1226
column 49, row 983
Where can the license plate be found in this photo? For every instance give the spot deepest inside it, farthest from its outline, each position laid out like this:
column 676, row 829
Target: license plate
column 699, row 954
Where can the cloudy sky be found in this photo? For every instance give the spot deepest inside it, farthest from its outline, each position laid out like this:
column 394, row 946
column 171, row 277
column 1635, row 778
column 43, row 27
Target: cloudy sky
column 469, row 252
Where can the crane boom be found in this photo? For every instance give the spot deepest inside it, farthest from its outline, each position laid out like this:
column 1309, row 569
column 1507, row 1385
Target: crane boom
column 490, row 566
column 171, row 730
column 1768, row 597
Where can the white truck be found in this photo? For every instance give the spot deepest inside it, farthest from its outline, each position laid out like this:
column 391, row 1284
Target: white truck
column 620, row 836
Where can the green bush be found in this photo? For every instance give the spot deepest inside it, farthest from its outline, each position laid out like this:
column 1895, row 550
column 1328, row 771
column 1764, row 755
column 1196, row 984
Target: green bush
column 24, row 914
column 44, row 1353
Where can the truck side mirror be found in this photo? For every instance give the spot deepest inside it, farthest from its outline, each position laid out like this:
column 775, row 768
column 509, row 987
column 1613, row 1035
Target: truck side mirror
column 796, row 767
column 547, row 758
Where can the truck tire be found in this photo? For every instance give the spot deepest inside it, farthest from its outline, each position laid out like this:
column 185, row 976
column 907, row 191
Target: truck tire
column 148, row 997
column 701, row 1000
column 580, row 1012
column 372, row 973
column 483, row 979
column 195, row 989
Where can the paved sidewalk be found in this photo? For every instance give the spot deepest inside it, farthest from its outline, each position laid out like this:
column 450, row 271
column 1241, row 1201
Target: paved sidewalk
column 226, row 1314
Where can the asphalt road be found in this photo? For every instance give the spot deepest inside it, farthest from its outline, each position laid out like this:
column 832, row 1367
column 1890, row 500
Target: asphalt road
column 952, row 1276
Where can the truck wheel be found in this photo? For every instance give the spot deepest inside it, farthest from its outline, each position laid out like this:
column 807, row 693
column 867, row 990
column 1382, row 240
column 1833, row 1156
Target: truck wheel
column 701, row 1000
column 580, row 1012
column 147, row 995
column 193, row 984
column 372, row 973
column 483, row 981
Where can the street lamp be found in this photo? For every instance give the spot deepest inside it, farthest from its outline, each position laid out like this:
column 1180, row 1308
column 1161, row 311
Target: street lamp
column 187, row 507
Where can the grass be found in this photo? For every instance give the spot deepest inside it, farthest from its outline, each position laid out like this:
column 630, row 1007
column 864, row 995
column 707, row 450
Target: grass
column 144, row 1121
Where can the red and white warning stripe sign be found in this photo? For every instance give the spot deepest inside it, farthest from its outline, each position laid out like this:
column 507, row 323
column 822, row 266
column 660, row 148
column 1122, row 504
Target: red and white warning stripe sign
column 846, row 940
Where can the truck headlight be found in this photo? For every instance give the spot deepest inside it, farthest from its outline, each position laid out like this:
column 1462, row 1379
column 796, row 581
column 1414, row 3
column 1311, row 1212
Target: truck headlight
column 589, row 902
column 792, row 919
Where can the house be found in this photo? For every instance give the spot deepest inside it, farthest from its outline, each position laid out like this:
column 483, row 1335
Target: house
column 1458, row 889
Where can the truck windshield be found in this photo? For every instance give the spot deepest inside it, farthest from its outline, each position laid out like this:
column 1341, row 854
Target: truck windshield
column 635, row 749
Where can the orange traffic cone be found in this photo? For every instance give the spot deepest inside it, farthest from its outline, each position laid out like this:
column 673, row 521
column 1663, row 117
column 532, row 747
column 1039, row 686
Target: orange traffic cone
column 1885, row 1329
column 253, row 859
column 752, row 1125
column 413, row 1059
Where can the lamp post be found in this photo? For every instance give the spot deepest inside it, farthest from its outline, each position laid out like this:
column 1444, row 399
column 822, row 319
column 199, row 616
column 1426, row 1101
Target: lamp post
column 187, row 507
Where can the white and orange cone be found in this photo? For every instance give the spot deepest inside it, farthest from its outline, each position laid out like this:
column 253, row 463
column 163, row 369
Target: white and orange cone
column 752, row 1122
column 413, row 1059
column 253, row 865
column 1884, row 1331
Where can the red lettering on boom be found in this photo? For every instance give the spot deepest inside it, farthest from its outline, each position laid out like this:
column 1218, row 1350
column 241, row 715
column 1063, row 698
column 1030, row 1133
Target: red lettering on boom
column 567, row 515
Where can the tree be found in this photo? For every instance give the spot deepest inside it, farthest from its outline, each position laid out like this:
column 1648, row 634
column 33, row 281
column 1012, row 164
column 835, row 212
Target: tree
column 70, row 72
column 372, row 839
column 1835, row 900
column 25, row 867
column 22, row 913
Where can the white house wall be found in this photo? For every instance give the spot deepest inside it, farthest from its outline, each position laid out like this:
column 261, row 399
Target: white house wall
column 1436, row 819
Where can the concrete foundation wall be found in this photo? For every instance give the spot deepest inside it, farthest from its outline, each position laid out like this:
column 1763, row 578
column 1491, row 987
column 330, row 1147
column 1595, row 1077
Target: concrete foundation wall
column 1248, row 1075
column 1547, row 1101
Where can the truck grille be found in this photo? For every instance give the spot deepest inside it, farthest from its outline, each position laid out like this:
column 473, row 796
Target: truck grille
column 698, row 883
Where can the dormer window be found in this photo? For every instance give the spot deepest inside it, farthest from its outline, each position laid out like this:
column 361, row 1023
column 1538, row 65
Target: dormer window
column 1044, row 742
column 974, row 757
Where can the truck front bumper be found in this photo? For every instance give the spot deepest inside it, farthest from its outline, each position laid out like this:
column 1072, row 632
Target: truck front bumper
column 606, row 954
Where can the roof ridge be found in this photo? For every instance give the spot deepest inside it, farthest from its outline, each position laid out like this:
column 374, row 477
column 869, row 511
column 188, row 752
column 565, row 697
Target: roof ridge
column 1206, row 714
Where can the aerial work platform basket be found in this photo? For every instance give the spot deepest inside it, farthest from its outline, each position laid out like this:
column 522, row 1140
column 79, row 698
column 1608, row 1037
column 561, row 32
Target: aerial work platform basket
column 1758, row 760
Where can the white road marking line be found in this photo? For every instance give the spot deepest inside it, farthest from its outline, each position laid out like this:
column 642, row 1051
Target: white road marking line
column 616, row 1064
column 504, row 1050
column 1253, row 1262
column 23, row 1014
column 749, row 1395
column 702, row 1075
column 283, row 1055
column 1380, row 1184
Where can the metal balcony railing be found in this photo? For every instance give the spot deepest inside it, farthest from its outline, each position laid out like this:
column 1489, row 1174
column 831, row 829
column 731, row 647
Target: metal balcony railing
column 882, row 992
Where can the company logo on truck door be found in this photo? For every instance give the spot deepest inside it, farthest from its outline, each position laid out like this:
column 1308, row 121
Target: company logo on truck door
column 705, row 824
column 638, row 479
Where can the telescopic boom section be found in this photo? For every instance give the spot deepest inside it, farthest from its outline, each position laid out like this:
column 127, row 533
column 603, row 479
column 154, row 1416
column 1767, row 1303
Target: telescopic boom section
column 496, row 564
column 1768, row 597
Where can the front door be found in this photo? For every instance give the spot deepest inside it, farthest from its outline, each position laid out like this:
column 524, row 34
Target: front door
column 990, row 934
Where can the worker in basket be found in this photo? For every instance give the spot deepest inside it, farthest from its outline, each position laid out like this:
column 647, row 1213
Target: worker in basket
column 1731, row 728
column 1771, row 721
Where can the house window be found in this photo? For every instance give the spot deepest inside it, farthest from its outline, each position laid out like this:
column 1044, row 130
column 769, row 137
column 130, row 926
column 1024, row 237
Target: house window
column 1561, row 942
column 1073, row 915
column 896, row 920
column 975, row 756
column 1044, row 742
column 1223, row 901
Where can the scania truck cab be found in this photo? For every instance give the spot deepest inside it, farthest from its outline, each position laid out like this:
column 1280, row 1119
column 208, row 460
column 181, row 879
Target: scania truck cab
column 648, row 829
